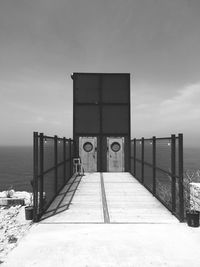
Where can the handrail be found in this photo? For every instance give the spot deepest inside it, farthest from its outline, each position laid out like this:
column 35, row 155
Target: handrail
column 173, row 181
column 46, row 186
column 157, row 168
column 59, row 138
column 150, row 139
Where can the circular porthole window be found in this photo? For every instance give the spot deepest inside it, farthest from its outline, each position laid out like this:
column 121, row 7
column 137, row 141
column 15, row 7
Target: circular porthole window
column 115, row 146
column 88, row 146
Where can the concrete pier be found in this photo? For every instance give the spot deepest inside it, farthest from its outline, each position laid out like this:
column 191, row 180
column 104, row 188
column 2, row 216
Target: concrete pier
column 112, row 221
column 126, row 201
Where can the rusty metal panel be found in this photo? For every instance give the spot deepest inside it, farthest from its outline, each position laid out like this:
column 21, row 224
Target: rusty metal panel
column 115, row 119
column 115, row 88
column 86, row 88
column 87, row 119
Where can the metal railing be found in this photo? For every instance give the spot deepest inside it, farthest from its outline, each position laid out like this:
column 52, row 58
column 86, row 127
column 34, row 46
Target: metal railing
column 52, row 168
column 158, row 164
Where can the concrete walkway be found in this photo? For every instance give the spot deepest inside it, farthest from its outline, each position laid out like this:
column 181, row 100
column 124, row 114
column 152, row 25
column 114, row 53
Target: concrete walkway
column 110, row 198
column 112, row 221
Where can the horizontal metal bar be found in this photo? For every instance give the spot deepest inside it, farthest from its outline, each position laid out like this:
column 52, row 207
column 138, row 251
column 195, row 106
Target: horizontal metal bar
column 157, row 138
column 145, row 139
column 102, row 134
column 52, row 168
column 101, row 103
column 163, row 138
column 53, row 137
column 102, row 74
column 157, row 168
column 59, row 138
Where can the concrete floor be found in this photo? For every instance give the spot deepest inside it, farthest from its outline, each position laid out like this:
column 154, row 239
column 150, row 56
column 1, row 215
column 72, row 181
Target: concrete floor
column 138, row 231
column 127, row 202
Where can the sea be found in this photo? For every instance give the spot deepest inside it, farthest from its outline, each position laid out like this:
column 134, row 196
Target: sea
column 16, row 166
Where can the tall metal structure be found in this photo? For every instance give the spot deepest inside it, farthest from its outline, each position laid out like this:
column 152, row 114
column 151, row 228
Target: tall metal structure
column 101, row 120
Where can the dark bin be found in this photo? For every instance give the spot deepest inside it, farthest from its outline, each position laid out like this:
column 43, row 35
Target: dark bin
column 192, row 218
column 29, row 213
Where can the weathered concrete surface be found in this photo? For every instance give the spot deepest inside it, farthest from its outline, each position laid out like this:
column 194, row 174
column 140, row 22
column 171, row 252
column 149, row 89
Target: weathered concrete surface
column 86, row 205
column 141, row 233
column 91, row 245
column 128, row 201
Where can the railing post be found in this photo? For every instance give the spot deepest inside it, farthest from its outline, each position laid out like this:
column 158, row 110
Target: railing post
column 56, row 162
column 64, row 160
column 35, row 176
column 181, row 197
column 41, row 171
column 70, row 156
column 134, row 156
column 154, row 163
column 142, row 159
column 173, row 172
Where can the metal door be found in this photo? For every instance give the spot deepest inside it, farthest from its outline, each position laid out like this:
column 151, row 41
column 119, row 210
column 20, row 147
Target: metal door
column 88, row 153
column 115, row 154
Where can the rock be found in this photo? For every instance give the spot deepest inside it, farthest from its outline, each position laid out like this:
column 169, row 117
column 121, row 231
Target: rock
column 12, row 227
column 195, row 196
column 10, row 193
column 3, row 194
column 12, row 239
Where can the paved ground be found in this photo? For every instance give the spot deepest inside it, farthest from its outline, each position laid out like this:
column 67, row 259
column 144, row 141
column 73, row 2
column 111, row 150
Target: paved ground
column 92, row 245
column 107, row 226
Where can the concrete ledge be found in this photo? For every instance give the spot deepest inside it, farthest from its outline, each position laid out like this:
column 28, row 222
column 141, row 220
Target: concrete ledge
column 5, row 201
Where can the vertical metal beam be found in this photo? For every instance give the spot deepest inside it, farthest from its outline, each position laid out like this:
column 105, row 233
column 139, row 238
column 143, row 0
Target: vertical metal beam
column 64, row 160
column 134, row 156
column 100, row 137
column 70, row 157
column 35, row 176
column 154, row 163
column 56, row 162
column 75, row 135
column 181, row 197
column 173, row 172
column 41, row 171
column 74, row 109
column 127, row 146
column 142, row 159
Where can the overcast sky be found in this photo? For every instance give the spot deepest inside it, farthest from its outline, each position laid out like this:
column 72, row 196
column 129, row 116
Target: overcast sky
column 43, row 41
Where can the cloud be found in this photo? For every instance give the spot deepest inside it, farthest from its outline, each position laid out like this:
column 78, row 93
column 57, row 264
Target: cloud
column 183, row 106
column 180, row 112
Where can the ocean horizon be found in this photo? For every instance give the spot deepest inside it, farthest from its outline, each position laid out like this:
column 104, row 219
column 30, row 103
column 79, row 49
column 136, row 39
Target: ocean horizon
column 16, row 165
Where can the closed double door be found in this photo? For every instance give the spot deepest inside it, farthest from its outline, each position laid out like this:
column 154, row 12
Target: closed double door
column 113, row 154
